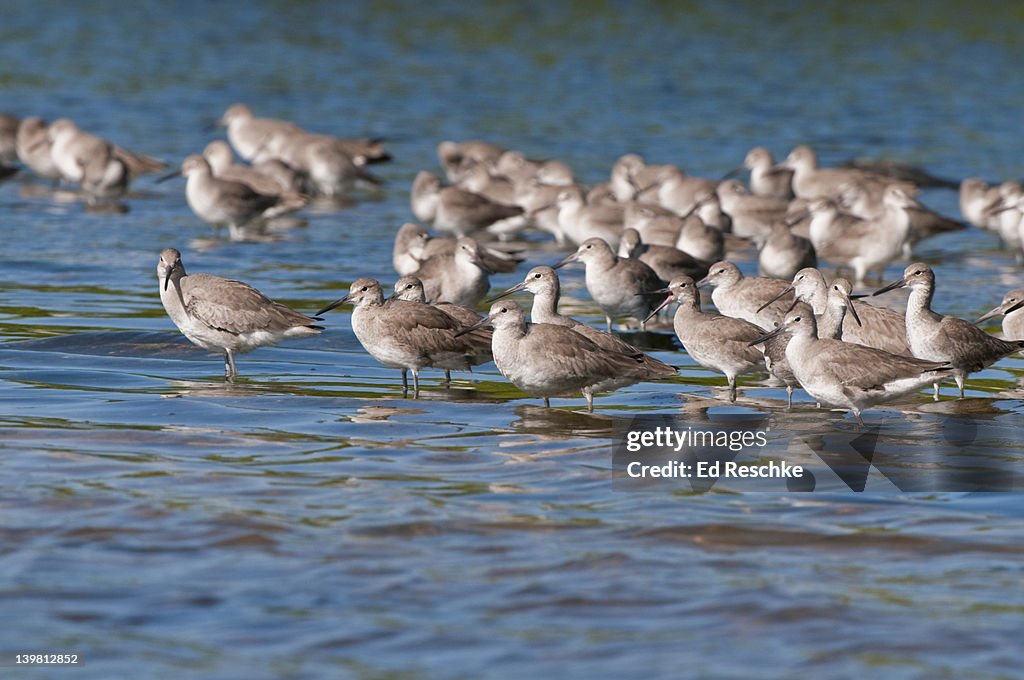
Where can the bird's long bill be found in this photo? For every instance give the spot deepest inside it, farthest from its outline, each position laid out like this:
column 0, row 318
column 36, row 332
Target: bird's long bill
column 660, row 307
column 787, row 289
column 996, row 311
column 514, row 289
column 479, row 324
column 167, row 277
column 779, row 330
column 478, row 261
column 568, row 259
column 853, row 310
column 706, row 281
column 337, row 303
column 170, row 175
column 892, row 286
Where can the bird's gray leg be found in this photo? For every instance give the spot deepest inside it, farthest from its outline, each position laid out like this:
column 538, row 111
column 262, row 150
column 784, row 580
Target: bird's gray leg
column 960, row 383
column 732, row 387
column 590, row 399
column 415, row 384
column 789, row 396
column 547, row 403
column 935, row 396
column 447, row 378
column 608, row 322
column 405, row 382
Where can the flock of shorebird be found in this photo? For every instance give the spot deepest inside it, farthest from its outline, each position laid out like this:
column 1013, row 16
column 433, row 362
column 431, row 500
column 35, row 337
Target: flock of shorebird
column 649, row 237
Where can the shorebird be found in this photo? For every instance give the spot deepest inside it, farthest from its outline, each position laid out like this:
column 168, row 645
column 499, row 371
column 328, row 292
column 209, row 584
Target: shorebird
column 545, row 360
column 977, row 202
column 714, row 341
column 619, row 285
column 830, row 323
column 455, row 157
column 222, row 163
column 843, row 374
column 462, row 212
column 224, row 315
column 414, row 245
column 32, row 144
column 479, row 179
column 864, row 245
column 580, row 220
column 460, row 278
column 784, row 253
column 410, row 335
column 757, row 300
column 543, row 283
column 811, row 181
column 222, row 202
column 631, row 177
column 682, row 193
column 410, row 288
column 767, row 178
column 935, row 337
column 879, row 327
column 87, row 160
column 1012, row 311
column 700, row 240
column 752, row 215
column 656, row 225
column 666, row 261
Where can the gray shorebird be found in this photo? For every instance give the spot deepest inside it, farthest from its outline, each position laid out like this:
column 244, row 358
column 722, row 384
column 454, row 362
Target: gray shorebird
column 222, row 163
column 414, row 244
column 666, row 261
column 935, row 337
column 456, row 157
column 460, row 277
column 221, row 202
column 461, row 212
column 1012, row 311
column 783, row 253
column 223, row 315
column 32, row 144
column 714, row 341
column 757, row 300
column 879, row 327
column 546, row 361
column 846, row 375
column 767, row 178
column 543, row 283
column 620, row 286
column 408, row 335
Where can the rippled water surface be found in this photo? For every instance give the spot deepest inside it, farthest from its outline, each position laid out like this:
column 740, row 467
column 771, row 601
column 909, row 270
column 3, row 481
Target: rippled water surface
column 307, row 521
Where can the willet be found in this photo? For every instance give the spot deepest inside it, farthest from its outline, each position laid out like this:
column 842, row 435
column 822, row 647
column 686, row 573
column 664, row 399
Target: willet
column 666, row 261
column 700, row 240
column 414, row 245
column 331, row 170
column 714, row 341
column 545, row 360
column 517, row 167
column 410, row 288
column 543, row 283
column 479, row 179
column 87, row 160
column 935, row 337
column 32, row 144
column 222, row 163
column 784, row 253
column 830, row 323
column 752, row 215
column 757, row 300
column 631, row 177
column 767, row 178
column 923, row 222
column 221, row 202
column 1012, row 311
column 879, row 327
column 618, row 285
column 455, row 157
column 864, row 245
column 409, row 335
column 842, row 374
column 540, row 203
column 580, row 220
column 811, row 181
column 682, row 193
column 656, row 225
column 462, row 212
column 460, row 278
column 224, row 315
column 977, row 200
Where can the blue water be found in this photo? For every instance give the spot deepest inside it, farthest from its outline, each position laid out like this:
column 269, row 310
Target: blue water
column 308, row 521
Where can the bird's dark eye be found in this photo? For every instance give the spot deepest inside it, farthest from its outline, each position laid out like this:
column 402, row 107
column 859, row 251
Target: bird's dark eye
column 503, row 310
column 796, row 319
column 536, row 276
column 365, row 288
column 589, row 247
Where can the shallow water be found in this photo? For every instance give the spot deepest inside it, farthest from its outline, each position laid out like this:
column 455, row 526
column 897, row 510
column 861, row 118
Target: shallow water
column 307, row 521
